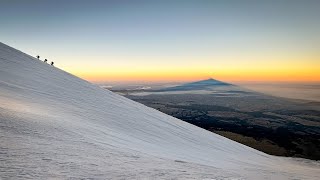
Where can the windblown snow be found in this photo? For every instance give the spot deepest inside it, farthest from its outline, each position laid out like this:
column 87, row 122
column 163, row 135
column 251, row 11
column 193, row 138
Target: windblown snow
column 56, row 125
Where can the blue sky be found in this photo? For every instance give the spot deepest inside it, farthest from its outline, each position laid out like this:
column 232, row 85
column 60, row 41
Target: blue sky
column 92, row 38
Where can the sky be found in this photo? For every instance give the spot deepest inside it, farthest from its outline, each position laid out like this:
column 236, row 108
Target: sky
column 177, row 40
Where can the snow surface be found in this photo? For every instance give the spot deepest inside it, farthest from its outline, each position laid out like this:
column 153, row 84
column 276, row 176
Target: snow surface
column 55, row 125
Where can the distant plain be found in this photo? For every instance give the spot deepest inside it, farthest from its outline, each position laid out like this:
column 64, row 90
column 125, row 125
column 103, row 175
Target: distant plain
column 279, row 119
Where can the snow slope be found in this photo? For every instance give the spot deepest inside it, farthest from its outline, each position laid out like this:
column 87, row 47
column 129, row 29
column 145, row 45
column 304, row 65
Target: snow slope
column 55, row 125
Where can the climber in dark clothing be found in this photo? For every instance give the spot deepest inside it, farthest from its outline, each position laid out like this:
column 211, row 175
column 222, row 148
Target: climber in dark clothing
column 52, row 63
column 45, row 60
column 38, row 57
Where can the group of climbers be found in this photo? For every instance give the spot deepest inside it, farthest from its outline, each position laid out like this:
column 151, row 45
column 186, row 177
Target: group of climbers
column 45, row 60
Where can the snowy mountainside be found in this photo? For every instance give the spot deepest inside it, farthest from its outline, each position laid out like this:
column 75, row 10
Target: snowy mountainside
column 55, row 125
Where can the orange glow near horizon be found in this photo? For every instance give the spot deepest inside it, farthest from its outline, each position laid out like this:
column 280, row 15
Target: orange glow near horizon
column 150, row 76
column 294, row 67
column 278, row 73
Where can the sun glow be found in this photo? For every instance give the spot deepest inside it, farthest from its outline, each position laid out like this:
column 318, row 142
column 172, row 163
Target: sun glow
column 226, row 69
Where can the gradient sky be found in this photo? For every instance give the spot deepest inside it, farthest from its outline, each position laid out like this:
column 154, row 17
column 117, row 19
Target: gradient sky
column 169, row 40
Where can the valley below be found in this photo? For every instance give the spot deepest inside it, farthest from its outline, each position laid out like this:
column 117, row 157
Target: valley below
column 274, row 125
